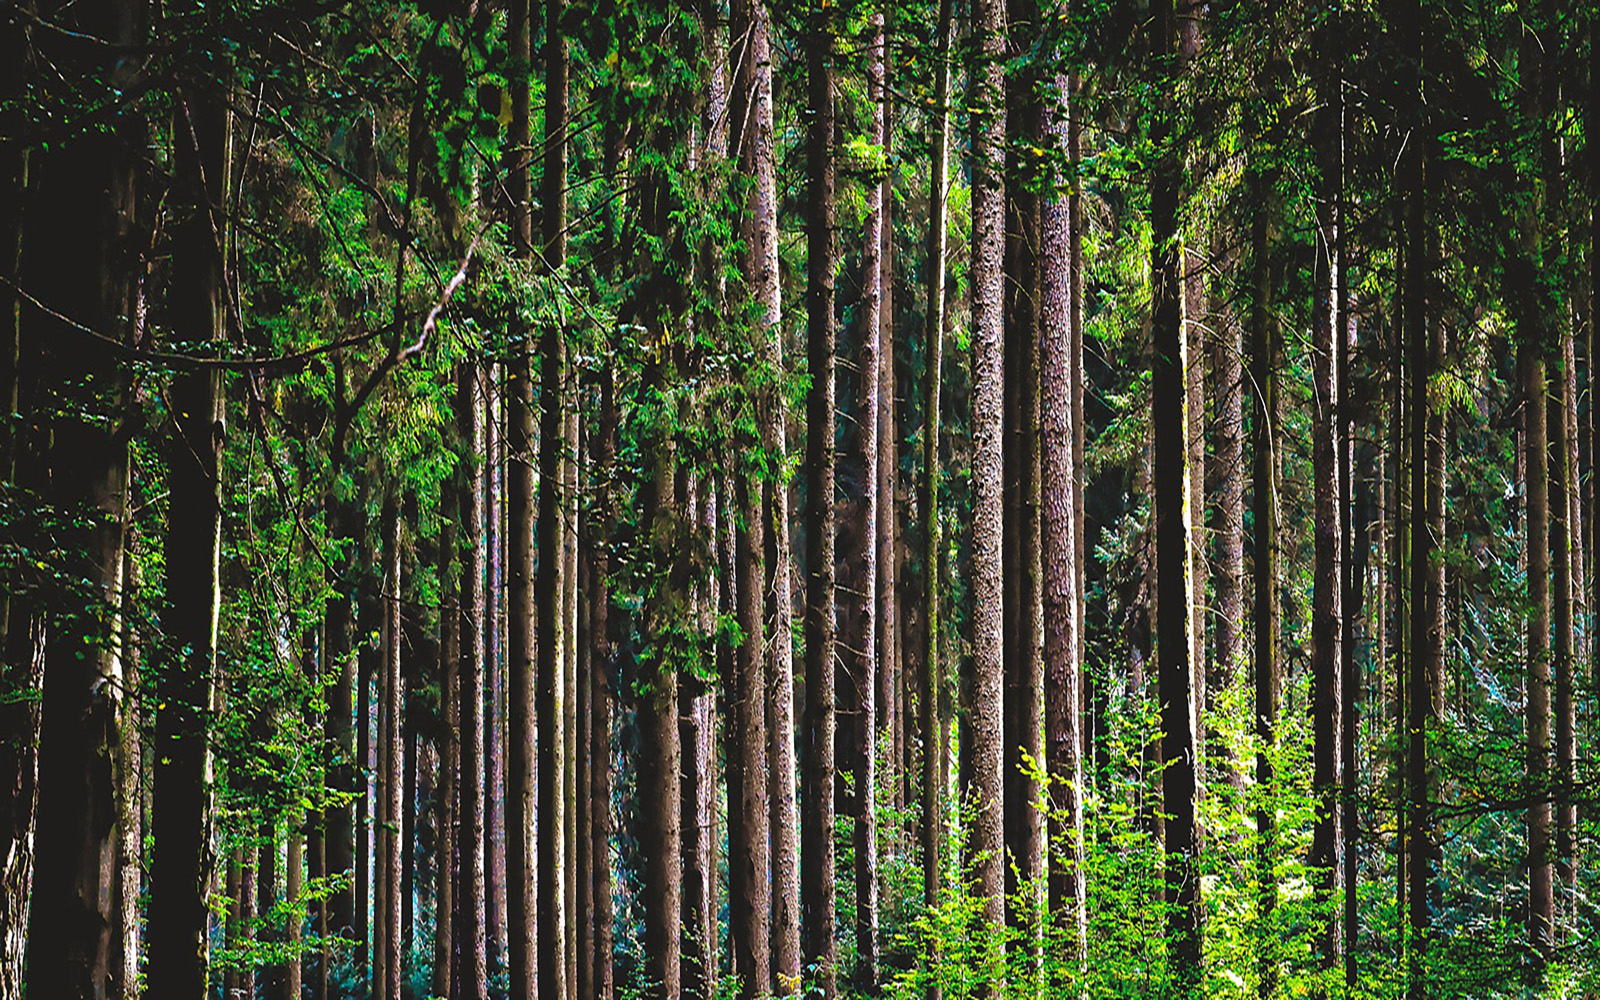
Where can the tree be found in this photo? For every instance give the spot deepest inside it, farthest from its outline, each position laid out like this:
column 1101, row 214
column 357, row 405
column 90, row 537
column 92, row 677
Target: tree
column 988, row 391
column 1174, row 600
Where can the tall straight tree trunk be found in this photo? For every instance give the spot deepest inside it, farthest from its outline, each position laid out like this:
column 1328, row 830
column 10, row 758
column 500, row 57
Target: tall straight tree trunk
column 1062, row 675
column 1540, row 890
column 1564, row 537
column 293, row 884
column 1422, row 339
column 180, row 818
column 471, row 933
column 1229, row 656
column 550, row 706
column 601, row 662
column 65, row 720
column 750, row 886
column 450, row 792
column 822, row 258
column 1024, row 679
column 988, row 408
column 890, row 716
column 695, row 721
column 1265, row 356
column 494, row 715
column 521, row 610
column 583, row 975
column 570, row 431
column 858, row 640
column 369, row 662
column 756, row 152
column 1327, row 608
column 387, row 875
column 1174, row 598
column 931, row 673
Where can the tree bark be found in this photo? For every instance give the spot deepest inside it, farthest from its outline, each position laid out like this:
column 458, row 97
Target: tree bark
column 602, row 663
column 822, row 256
column 1540, row 890
column 934, row 729
column 471, row 933
column 521, row 611
column 450, row 792
column 749, row 850
column 1563, row 547
column 1174, row 557
column 1062, row 674
column 988, row 407
column 389, row 871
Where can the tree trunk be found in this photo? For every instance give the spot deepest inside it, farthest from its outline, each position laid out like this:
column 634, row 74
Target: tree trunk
column 388, row 874
column 890, row 716
column 1563, row 548
column 521, row 611
column 471, row 939
column 1327, row 614
column 987, row 838
column 551, row 704
column 450, row 791
column 494, row 711
column 858, row 662
column 1540, row 894
column 180, row 818
column 1265, row 358
column 822, row 256
column 1174, row 558
column 1062, row 674
column 750, row 889
column 933, row 726
column 601, row 663
column 1229, row 658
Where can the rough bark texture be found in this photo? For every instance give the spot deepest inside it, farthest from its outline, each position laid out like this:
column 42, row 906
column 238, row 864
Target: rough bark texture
column 822, row 256
column 447, row 804
column 749, row 850
column 934, row 732
column 602, row 660
column 520, row 514
column 551, row 694
column 1174, row 599
column 988, row 408
column 1229, row 658
column 471, row 933
column 1566, row 546
column 388, row 873
column 1541, row 908
column 1062, row 675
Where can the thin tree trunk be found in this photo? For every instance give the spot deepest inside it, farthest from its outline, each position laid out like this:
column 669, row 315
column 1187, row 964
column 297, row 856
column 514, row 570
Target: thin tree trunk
column 1564, row 538
column 521, row 612
column 448, row 791
column 1229, row 658
column 388, row 875
column 1540, row 899
column 601, row 662
column 933, row 726
column 822, row 256
column 858, row 556
column 1327, row 615
column 750, row 888
column 890, row 717
column 494, row 717
column 471, row 933
column 1266, row 353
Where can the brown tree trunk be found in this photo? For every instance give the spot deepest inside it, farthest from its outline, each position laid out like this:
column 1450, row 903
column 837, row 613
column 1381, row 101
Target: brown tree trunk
column 1174, row 558
column 601, row 663
column 388, row 874
column 987, row 839
column 858, row 662
column 551, row 707
column 450, row 791
column 1540, row 891
column 889, row 717
column 293, row 883
column 1327, row 612
column 494, row 712
column 934, row 729
column 1023, row 663
column 1062, row 675
column 1265, row 358
column 471, row 940
column 1229, row 657
column 1564, row 538
column 750, row 887
column 822, row 256
column 181, row 805
column 521, row 611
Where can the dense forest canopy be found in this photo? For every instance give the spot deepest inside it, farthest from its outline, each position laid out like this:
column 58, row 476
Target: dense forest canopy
column 749, row 498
